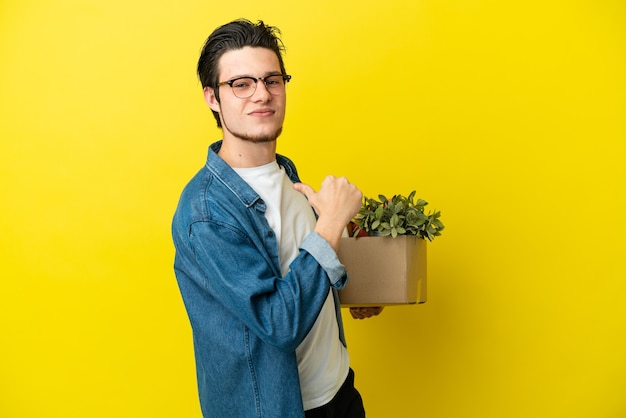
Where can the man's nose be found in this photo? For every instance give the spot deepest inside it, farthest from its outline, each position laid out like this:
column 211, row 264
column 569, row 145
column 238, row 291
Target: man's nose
column 261, row 92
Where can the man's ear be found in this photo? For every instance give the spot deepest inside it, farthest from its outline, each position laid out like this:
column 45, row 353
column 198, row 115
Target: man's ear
column 211, row 100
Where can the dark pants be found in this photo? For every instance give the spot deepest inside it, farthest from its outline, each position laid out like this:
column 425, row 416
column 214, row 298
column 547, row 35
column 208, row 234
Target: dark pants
column 347, row 403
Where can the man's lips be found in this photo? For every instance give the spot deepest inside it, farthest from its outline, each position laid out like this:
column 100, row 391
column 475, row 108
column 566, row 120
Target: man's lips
column 262, row 112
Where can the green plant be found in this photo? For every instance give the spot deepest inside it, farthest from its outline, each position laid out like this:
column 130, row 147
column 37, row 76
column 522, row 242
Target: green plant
column 399, row 215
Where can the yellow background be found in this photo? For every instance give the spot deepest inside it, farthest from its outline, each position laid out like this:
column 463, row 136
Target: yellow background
column 509, row 117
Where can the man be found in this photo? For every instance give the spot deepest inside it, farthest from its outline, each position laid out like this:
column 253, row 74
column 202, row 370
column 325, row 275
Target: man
column 257, row 271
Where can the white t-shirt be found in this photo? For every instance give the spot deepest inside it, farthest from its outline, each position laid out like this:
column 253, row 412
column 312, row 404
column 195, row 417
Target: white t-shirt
column 323, row 361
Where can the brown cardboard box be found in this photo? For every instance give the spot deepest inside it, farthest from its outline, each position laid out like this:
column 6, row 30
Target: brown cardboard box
column 383, row 270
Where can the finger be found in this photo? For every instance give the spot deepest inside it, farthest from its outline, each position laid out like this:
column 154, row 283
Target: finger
column 377, row 310
column 357, row 313
column 305, row 189
column 354, row 313
column 365, row 312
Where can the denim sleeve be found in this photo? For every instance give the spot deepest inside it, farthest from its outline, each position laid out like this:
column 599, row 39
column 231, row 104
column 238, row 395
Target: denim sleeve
column 221, row 268
column 325, row 255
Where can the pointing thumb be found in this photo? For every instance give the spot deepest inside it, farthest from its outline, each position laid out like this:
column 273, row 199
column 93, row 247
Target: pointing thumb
column 305, row 189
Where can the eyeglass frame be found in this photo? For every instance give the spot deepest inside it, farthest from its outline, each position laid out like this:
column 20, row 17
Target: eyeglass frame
column 229, row 83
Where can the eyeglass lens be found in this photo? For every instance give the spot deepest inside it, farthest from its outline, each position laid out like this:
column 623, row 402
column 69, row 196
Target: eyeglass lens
column 245, row 87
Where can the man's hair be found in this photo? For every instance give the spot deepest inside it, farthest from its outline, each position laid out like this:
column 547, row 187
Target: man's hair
column 232, row 36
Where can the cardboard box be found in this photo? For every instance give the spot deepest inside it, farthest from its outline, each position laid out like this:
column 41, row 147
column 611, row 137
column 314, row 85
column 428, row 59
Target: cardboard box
column 383, row 271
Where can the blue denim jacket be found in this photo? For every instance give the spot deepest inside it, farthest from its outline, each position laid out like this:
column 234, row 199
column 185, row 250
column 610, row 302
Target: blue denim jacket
column 247, row 319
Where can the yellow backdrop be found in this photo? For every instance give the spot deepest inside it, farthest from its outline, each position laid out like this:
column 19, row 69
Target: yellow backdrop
column 509, row 117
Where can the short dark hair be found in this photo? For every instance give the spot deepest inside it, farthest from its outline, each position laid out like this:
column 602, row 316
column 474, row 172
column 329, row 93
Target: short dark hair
column 232, row 36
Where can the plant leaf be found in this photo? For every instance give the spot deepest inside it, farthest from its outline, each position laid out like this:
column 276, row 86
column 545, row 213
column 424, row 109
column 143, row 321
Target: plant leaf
column 399, row 215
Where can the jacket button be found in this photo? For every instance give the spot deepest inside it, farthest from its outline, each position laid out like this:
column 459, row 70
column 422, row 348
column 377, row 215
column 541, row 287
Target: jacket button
column 270, row 234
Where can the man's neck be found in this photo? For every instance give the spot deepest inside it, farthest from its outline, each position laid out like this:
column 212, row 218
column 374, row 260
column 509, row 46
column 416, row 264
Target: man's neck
column 246, row 154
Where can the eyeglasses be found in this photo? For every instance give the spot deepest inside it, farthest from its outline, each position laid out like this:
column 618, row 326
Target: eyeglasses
column 244, row 87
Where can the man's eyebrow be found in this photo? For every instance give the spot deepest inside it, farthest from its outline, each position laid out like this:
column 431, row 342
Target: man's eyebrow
column 266, row 74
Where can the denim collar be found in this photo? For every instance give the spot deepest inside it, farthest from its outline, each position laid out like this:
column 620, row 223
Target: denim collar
column 224, row 173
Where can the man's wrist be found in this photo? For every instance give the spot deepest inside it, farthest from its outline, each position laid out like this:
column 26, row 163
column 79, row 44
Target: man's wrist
column 321, row 250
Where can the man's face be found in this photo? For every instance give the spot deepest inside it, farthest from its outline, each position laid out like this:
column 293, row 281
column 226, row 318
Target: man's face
column 258, row 118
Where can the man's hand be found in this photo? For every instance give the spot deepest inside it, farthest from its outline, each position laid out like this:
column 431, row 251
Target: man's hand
column 336, row 203
column 365, row 312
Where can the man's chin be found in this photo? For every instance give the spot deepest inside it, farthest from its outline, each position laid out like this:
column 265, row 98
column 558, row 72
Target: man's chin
column 259, row 139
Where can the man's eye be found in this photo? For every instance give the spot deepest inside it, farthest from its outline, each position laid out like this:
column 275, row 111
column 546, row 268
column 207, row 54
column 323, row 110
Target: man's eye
column 273, row 81
column 241, row 84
